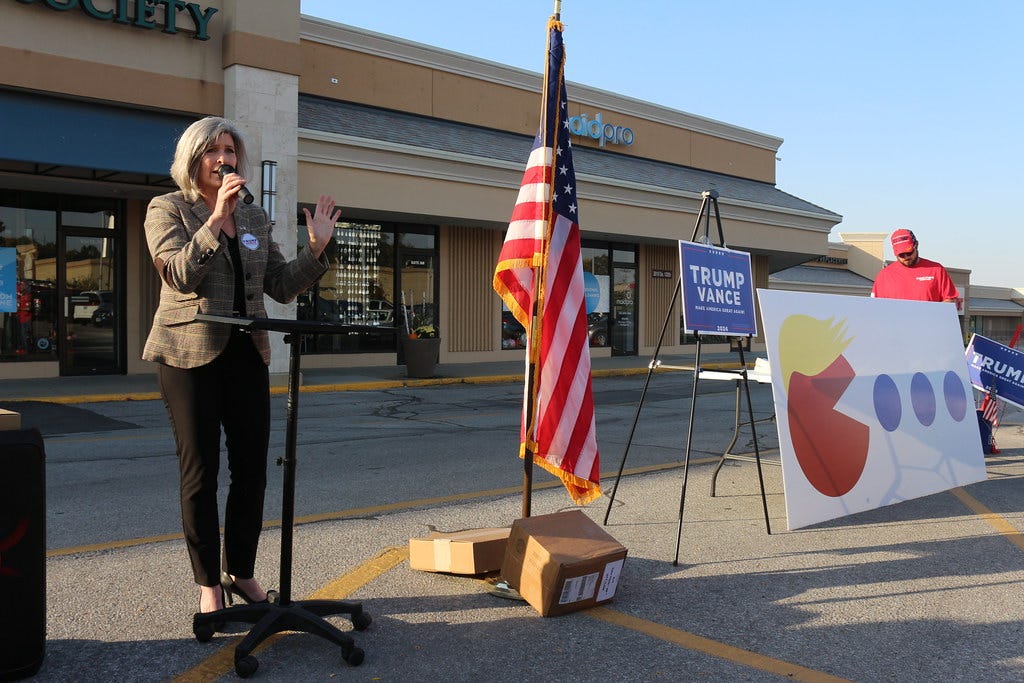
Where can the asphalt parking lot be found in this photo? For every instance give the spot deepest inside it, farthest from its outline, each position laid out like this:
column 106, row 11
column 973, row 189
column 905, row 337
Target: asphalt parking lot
column 927, row 589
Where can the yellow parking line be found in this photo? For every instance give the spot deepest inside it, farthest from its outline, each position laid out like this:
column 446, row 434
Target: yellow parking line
column 223, row 660
column 91, row 398
column 111, row 545
column 753, row 660
column 996, row 521
column 375, row 385
column 761, row 662
column 367, row 511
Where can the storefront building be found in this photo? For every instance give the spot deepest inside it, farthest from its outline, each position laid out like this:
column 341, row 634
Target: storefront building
column 422, row 148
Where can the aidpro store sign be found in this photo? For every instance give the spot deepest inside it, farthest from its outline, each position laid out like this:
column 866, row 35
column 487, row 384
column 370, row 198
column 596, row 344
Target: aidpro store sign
column 147, row 14
column 596, row 128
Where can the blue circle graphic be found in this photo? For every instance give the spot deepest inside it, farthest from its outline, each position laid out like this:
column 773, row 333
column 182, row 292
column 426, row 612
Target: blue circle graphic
column 887, row 403
column 922, row 397
column 955, row 395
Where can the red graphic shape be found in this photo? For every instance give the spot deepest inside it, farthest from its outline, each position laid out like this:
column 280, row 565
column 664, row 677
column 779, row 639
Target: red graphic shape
column 831, row 448
column 9, row 542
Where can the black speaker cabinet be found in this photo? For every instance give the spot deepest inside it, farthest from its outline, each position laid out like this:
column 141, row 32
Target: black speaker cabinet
column 22, row 553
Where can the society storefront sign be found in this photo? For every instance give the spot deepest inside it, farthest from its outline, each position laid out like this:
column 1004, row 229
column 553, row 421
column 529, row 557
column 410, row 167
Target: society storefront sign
column 166, row 15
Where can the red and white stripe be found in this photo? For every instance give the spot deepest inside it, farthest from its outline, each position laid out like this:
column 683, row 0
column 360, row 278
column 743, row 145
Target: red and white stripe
column 561, row 434
column 523, row 249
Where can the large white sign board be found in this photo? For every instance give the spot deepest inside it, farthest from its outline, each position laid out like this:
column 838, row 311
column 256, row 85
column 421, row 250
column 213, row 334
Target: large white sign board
column 873, row 402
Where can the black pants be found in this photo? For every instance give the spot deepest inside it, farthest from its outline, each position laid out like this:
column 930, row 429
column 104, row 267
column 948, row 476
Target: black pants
column 233, row 391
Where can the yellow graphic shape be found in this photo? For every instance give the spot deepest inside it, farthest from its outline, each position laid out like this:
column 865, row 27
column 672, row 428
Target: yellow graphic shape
column 808, row 345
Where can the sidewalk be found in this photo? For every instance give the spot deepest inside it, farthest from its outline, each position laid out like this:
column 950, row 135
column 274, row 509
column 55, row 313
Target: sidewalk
column 98, row 388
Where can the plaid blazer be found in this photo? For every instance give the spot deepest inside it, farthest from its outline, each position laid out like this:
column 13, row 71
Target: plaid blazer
column 197, row 276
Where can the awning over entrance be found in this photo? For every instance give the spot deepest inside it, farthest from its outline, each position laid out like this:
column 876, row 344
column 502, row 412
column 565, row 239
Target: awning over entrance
column 62, row 137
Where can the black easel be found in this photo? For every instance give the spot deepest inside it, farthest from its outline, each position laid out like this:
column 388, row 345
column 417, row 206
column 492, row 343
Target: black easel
column 306, row 616
column 708, row 198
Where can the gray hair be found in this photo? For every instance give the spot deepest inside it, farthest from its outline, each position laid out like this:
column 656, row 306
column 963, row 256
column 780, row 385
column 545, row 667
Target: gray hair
column 193, row 143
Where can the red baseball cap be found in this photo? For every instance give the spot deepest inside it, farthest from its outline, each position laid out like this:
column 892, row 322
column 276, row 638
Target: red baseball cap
column 903, row 241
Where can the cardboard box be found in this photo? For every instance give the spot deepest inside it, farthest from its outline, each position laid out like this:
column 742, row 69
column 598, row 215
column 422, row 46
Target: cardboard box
column 9, row 420
column 475, row 551
column 562, row 562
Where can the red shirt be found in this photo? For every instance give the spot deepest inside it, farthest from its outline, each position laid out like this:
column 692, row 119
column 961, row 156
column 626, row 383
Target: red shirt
column 24, row 304
column 924, row 281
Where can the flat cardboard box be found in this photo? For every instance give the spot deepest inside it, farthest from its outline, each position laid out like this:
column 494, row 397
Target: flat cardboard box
column 9, row 420
column 562, row 562
column 475, row 551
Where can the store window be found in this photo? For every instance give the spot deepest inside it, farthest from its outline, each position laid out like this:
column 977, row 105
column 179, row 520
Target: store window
column 609, row 282
column 997, row 328
column 61, row 262
column 374, row 269
column 596, row 272
column 28, row 282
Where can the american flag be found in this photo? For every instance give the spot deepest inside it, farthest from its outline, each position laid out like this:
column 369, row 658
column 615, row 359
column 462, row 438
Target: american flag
column 543, row 241
column 990, row 409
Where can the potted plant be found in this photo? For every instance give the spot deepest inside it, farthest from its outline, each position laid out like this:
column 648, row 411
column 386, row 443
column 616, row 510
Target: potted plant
column 421, row 343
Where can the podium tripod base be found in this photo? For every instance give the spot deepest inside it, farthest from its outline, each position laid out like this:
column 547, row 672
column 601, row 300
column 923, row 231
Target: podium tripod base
column 268, row 618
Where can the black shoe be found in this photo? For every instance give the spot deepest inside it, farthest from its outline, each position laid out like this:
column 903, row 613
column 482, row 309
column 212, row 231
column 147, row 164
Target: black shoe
column 216, row 624
column 231, row 589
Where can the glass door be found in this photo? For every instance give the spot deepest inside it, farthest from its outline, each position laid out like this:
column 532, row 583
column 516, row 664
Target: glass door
column 417, row 284
column 623, row 319
column 89, row 331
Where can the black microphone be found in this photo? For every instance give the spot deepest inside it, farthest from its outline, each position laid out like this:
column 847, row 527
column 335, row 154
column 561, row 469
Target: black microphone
column 244, row 192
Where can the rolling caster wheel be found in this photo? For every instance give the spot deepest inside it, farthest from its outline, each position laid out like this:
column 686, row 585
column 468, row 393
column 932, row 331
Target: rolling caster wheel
column 272, row 596
column 246, row 666
column 354, row 656
column 203, row 632
column 361, row 621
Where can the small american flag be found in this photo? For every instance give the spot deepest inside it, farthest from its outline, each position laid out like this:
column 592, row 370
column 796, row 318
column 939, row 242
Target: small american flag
column 544, row 233
column 989, row 404
column 990, row 409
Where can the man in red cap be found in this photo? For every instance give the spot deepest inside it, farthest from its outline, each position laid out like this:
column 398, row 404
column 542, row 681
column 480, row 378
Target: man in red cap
column 913, row 277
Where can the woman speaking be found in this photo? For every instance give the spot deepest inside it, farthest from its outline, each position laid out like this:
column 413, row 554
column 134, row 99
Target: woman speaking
column 216, row 255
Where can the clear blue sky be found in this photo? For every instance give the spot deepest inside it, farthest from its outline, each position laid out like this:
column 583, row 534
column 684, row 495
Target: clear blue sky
column 894, row 114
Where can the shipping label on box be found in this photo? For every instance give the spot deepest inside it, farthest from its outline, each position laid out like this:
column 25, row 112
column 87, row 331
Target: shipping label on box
column 562, row 562
column 474, row 551
column 610, row 580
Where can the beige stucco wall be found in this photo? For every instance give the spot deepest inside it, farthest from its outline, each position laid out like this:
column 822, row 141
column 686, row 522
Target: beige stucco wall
column 343, row 63
column 70, row 53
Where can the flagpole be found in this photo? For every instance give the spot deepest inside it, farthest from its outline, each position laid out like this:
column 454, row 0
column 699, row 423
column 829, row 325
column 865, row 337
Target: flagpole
column 535, row 318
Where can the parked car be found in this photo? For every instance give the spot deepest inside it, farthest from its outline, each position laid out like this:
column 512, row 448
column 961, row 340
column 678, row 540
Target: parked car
column 380, row 312
column 597, row 328
column 95, row 306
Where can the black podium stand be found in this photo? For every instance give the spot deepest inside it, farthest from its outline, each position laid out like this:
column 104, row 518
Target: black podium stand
column 306, row 616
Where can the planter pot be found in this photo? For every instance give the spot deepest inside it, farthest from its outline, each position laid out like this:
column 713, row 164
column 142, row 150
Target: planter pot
column 421, row 356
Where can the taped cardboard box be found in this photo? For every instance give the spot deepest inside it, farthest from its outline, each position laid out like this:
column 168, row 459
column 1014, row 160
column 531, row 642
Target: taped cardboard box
column 9, row 420
column 562, row 562
column 475, row 551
